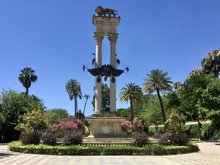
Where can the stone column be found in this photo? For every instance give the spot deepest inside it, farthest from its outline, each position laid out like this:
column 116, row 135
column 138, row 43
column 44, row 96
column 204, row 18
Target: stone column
column 98, row 61
column 113, row 39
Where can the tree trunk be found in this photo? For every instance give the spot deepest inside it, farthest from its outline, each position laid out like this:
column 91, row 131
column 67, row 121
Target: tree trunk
column 76, row 106
column 85, row 107
column 199, row 129
column 132, row 110
column 161, row 106
column 26, row 92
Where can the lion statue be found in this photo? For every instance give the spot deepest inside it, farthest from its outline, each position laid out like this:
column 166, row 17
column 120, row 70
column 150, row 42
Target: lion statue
column 105, row 11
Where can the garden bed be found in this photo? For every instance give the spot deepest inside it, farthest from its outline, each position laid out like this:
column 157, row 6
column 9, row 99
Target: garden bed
column 151, row 149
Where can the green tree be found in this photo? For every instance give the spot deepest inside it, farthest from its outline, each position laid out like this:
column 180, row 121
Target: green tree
column 26, row 77
column 13, row 106
column 157, row 80
column 209, row 102
column 105, row 98
column 2, row 120
column 84, row 108
column 190, row 94
column 151, row 115
column 124, row 112
column 211, row 64
column 56, row 114
column 73, row 88
column 132, row 93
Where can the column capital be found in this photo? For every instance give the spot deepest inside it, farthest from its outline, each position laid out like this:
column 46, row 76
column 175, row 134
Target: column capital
column 113, row 37
column 99, row 36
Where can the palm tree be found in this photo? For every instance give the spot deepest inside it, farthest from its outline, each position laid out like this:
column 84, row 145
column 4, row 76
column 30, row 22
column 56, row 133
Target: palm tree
column 132, row 93
column 86, row 97
column 157, row 81
column 26, row 77
column 74, row 90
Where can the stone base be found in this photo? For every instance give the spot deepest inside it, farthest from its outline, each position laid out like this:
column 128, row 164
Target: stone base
column 108, row 140
column 105, row 127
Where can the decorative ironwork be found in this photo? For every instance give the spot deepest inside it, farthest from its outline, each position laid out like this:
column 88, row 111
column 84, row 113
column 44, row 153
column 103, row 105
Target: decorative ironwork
column 105, row 71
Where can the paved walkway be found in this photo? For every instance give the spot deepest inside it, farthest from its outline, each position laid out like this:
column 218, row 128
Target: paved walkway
column 209, row 155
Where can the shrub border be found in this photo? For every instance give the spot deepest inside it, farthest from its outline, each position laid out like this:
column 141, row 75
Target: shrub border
column 151, row 149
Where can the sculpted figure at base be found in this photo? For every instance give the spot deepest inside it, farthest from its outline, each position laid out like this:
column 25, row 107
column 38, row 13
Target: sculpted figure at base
column 106, row 11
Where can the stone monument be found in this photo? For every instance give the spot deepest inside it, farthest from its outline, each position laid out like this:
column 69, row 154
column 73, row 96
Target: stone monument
column 105, row 125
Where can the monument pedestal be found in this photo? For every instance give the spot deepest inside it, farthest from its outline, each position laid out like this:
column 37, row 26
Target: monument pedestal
column 105, row 127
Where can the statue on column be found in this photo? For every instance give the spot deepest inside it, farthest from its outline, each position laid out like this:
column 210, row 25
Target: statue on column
column 106, row 11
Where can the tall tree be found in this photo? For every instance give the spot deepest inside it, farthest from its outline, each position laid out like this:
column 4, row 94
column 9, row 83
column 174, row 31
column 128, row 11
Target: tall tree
column 211, row 64
column 84, row 108
column 157, row 80
column 74, row 90
column 26, row 77
column 132, row 93
column 105, row 98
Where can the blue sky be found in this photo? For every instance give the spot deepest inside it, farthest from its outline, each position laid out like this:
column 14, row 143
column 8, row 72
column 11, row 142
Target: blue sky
column 55, row 38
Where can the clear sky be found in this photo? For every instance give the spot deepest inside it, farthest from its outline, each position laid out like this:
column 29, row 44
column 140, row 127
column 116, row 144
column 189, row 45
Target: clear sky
column 55, row 38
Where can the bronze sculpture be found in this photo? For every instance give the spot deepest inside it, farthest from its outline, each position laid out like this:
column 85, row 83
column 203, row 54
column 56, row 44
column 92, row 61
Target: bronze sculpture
column 106, row 11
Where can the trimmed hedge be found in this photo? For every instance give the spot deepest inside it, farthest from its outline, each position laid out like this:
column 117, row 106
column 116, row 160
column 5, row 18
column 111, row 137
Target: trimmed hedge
column 151, row 149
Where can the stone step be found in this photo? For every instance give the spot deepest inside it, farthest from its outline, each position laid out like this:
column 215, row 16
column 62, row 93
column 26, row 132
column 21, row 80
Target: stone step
column 107, row 140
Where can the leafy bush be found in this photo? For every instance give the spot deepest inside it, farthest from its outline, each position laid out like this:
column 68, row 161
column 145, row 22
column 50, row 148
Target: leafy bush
column 48, row 138
column 140, row 139
column 208, row 132
column 33, row 121
column 151, row 149
column 164, row 138
column 72, row 137
column 174, row 139
column 30, row 138
column 13, row 106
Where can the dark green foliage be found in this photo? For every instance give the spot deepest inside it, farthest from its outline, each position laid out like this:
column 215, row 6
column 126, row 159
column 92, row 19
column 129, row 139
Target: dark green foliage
column 26, row 77
column 73, row 88
column 132, row 93
column 190, row 93
column 105, row 98
column 209, row 103
column 208, row 132
column 157, row 81
column 211, row 64
column 13, row 106
column 151, row 149
column 48, row 138
column 56, row 114
column 30, row 138
column 123, row 112
column 151, row 114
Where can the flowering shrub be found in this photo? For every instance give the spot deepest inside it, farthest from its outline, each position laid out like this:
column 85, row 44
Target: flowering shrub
column 68, row 124
column 126, row 127
column 69, row 130
column 137, row 125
